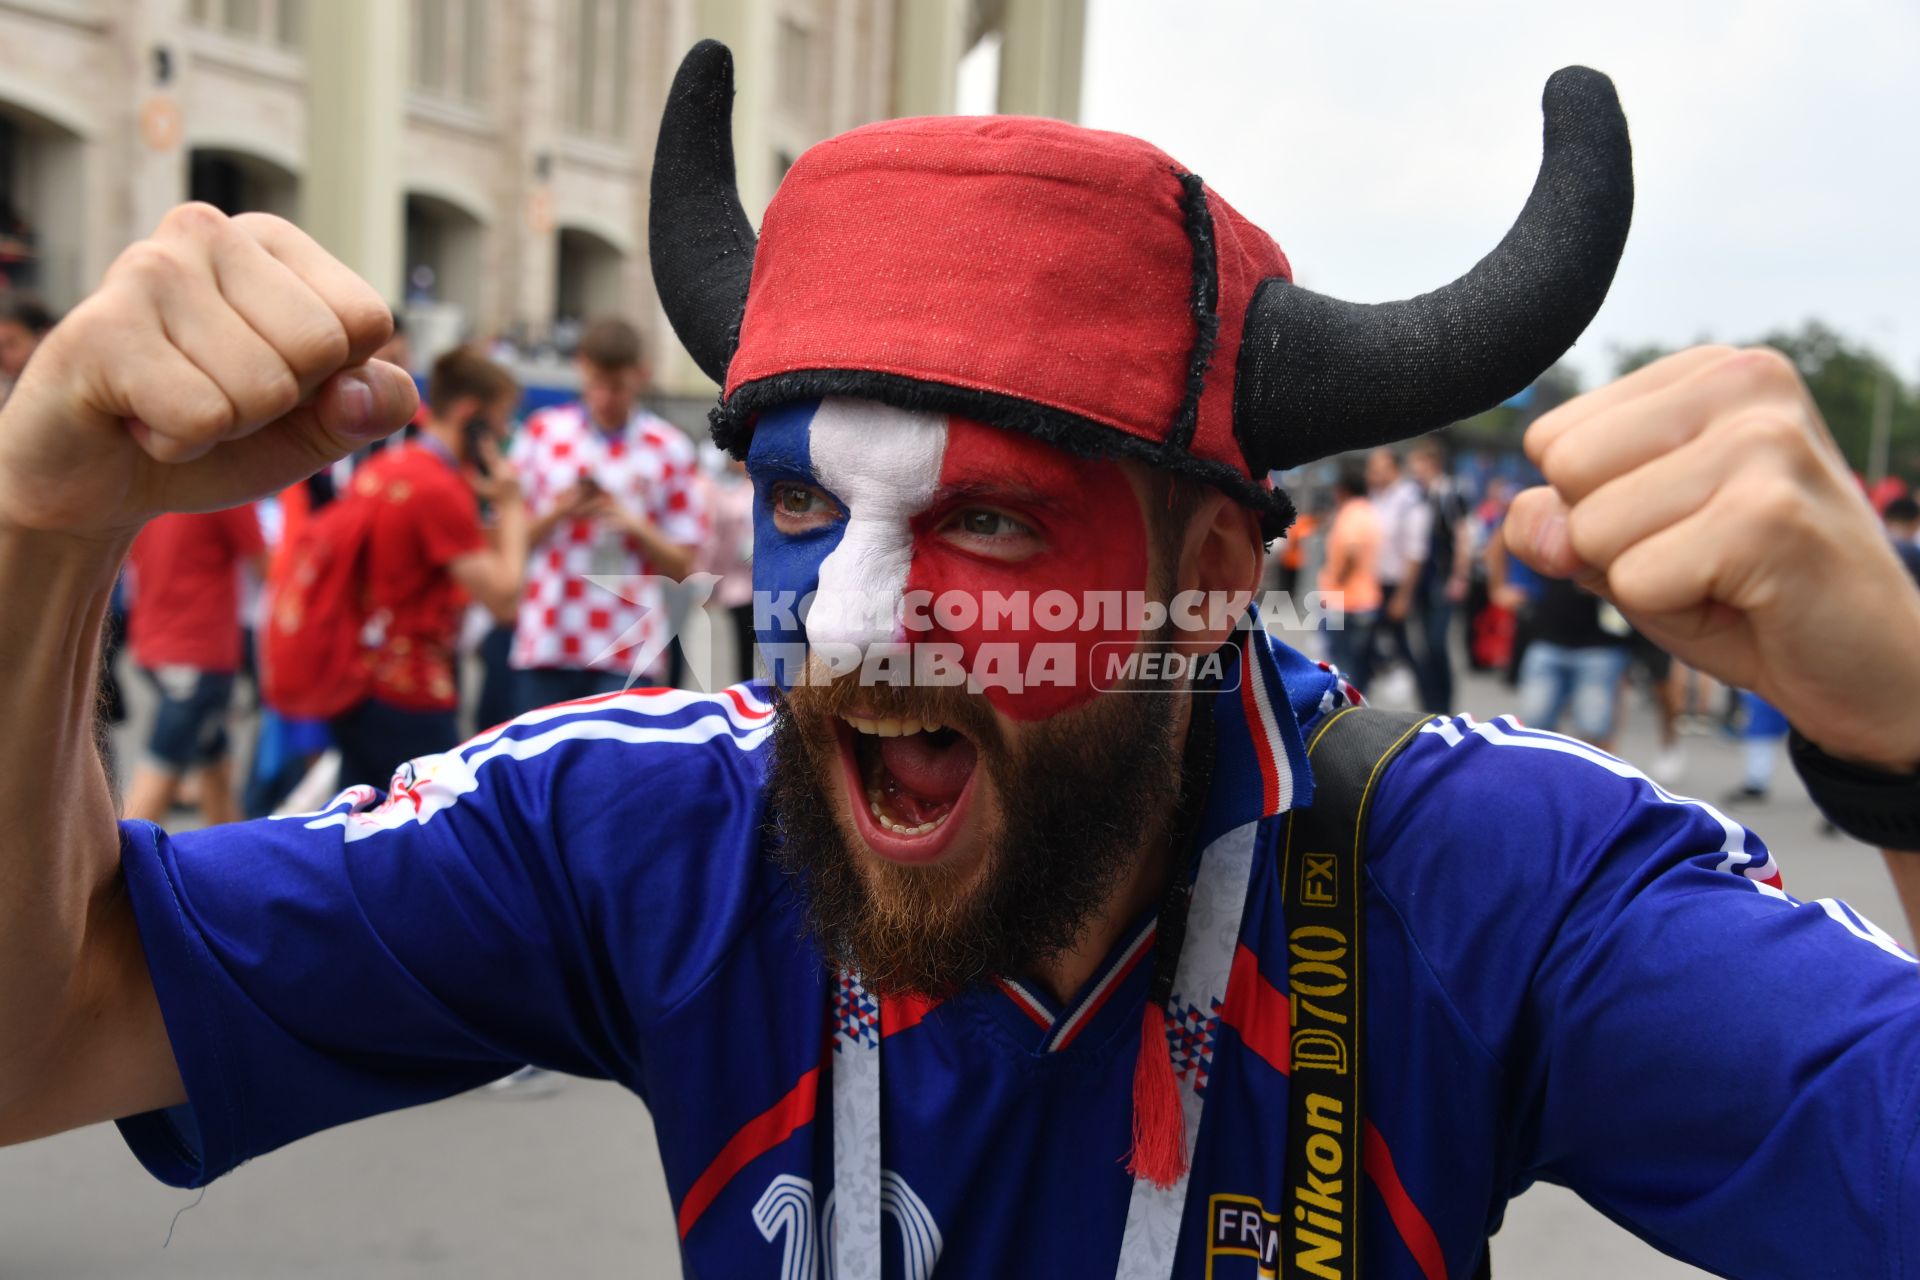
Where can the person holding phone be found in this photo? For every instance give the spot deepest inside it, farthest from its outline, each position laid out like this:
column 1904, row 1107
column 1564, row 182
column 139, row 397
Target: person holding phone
column 427, row 553
column 618, row 506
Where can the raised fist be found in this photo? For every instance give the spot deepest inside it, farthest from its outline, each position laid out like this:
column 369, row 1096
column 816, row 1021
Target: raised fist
column 220, row 360
column 1705, row 498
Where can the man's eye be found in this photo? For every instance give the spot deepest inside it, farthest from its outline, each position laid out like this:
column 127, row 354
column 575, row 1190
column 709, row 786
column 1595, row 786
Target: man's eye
column 992, row 533
column 981, row 523
column 800, row 506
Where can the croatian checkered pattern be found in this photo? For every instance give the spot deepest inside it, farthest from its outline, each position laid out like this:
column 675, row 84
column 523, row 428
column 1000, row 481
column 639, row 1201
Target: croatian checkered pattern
column 856, row 1014
column 1190, row 1039
column 649, row 469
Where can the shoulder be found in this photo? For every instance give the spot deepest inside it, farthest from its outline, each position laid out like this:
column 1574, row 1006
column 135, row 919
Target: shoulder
column 1500, row 852
column 659, row 788
column 1496, row 800
column 439, row 491
column 547, row 427
column 673, row 445
column 637, row 745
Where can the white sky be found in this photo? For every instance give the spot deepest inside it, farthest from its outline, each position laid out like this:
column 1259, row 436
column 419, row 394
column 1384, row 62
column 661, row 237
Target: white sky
column 1388, row 145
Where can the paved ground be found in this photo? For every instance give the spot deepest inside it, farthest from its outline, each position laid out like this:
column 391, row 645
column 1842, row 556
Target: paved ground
column 488, row 1188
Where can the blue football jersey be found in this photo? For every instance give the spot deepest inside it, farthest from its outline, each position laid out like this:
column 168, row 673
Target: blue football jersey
column 1572, row 976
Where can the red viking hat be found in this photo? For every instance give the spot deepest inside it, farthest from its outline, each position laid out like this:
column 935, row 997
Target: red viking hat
column 1084, row 287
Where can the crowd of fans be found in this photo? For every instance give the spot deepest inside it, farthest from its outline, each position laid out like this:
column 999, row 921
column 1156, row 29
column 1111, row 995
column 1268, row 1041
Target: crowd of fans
column 476, row 567
column 469, row 569
column 1414, row 553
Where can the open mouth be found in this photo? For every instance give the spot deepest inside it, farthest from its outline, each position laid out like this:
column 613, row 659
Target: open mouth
column 908, row 783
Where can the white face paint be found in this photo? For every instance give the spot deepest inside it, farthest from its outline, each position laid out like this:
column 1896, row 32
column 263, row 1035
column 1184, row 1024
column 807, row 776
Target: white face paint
column 883, row 465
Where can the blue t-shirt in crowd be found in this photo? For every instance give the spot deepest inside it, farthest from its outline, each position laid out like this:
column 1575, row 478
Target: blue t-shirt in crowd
column 1573, row 977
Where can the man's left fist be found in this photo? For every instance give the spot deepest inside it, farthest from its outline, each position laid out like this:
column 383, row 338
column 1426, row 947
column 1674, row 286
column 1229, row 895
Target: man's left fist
column 1704, row 496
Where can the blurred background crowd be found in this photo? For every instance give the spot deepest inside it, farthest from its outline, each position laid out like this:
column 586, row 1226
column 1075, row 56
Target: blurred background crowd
column 486, row 162
column 516, row 544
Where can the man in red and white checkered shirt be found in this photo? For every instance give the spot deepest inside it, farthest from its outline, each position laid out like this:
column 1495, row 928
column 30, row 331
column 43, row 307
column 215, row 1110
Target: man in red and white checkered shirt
column 614, row 496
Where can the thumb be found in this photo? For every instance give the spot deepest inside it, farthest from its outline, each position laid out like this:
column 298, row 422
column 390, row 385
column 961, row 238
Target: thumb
column 350, row 410
column 1536, row 533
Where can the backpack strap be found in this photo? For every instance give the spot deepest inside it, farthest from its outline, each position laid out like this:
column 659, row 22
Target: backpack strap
column 1321, row 889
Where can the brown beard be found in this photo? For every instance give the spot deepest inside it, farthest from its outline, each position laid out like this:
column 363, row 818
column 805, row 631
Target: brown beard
column 1080, row 797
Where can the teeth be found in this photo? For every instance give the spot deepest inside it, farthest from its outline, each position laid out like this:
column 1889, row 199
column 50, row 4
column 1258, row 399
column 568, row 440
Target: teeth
column 889, row 726
column 873, row 804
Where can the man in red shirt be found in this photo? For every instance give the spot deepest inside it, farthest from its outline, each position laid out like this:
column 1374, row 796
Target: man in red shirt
column 428, row 554
column 184, row 630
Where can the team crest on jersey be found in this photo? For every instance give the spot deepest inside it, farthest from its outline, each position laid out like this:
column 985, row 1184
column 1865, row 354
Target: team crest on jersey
column 1239, row 1227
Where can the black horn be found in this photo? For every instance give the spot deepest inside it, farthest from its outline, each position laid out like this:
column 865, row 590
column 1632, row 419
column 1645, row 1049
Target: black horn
column 1318, row 376
column 698, row 236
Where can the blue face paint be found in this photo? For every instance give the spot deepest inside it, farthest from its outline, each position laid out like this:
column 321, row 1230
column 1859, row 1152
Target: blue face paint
column 786, row 567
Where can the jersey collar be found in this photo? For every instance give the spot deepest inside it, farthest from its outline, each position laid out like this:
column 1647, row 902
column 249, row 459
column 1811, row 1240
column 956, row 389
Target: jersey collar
column 1264, row 697
column 1267, row 692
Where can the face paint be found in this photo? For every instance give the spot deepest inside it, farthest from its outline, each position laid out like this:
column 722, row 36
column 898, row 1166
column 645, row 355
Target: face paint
column 956, row 513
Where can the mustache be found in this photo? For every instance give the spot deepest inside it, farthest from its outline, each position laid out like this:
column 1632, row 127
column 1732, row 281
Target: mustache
column 934, row 704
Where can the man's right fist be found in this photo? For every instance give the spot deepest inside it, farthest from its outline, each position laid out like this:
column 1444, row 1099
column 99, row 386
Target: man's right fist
column 219, row 361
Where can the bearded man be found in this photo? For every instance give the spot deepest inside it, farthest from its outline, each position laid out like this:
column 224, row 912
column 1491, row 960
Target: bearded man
column 993, row 968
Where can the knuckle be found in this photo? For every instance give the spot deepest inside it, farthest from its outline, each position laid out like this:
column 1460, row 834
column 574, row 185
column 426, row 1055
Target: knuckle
column 277, row 395
column 263, row 226
column 202, row 420
column 1775, row 504
column 365, row 316
column 195, row 220
column 1590, row 531
column 325, row 350
column 149, row 263
column 1771, row 431
column 1761, row 370
column 1634, row 589
column 1570, row 466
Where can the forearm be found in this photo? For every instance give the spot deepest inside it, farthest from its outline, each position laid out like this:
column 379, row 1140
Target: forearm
column 1402, row 601
column 663, row 554
column 1905, row 870
column 59, row 847
column 511, row 542
column 542, row 525
column 514, row 534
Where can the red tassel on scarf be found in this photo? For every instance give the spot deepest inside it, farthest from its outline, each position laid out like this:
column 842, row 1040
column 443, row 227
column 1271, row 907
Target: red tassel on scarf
column 1159, row 1125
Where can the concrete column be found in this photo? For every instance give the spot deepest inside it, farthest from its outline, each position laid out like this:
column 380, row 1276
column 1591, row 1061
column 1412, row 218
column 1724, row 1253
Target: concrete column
column 153, row 156
column 532, row 122
column 357, row 74
column 748, row 27
column 1042, row 45
column 929, row 37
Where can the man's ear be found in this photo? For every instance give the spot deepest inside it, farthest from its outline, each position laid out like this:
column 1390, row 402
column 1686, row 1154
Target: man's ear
column 1221, row 557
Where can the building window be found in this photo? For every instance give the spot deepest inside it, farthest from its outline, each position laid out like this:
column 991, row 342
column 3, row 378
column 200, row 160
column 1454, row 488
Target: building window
column 622, row 65
column 450, row 48
column 586, row 62
column 289, row 26
column 596, row 63
column 241, row 17
column 429, row 44
column 280, row 23
column 473, row 69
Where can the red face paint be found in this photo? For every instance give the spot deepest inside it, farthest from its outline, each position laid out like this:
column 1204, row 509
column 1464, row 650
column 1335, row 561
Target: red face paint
column 1083, row 557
